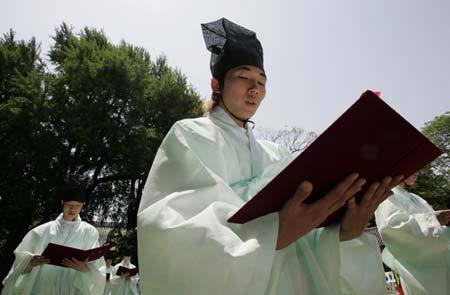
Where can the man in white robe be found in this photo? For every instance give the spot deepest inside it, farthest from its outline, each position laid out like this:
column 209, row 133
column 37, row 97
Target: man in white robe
column 30, row 273
column 417, row 241
column 204, row 171
column 125, row 284
column 107, row 271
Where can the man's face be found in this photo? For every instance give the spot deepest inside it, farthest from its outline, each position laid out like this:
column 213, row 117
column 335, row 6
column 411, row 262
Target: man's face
column 126, row 259
column 71, row 209
column 243, row 90
column 108, row 262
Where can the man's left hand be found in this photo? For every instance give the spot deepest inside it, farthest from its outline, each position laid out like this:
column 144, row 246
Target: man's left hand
column 76, row 264
column 357, row 216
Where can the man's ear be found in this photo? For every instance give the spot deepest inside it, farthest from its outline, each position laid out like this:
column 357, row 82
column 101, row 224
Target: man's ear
column 215, row 85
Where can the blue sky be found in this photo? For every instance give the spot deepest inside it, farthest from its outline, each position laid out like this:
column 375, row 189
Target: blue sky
column 319, row 55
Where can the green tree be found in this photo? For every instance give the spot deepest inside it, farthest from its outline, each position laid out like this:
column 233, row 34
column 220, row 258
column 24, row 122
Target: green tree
column 433, row 182
column 112, row 107
column 26, row 139
column 101, row 111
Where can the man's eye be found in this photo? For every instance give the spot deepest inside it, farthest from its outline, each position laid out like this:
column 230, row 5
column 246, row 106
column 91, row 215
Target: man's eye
column 242, row 77
column 262, row 84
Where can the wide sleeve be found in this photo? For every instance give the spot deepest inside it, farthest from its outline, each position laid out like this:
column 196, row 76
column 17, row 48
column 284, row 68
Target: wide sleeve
column 186, row 245
column 18, row 281
column 361, row 269
column 318, row 252
column 417, row 239
column 93, row 281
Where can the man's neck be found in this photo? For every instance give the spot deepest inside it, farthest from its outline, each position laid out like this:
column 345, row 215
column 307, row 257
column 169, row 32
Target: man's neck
column 240, row 123
column 69, row 218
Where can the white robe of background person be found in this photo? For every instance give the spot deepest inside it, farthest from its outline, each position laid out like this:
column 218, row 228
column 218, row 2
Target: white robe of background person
column 417, row 245
column 105, row 271
column 123, row 286
column 204, row 171
column 50, row 279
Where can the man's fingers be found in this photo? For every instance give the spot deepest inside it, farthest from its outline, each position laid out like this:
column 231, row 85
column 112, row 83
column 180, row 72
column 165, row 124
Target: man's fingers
column 38, row 260
column 303, row 191
column 396, row 181
column 337, row 192
column 68, row 262
column 382, row 189
column 348, row 194
column 351, row 204
column 369, row 194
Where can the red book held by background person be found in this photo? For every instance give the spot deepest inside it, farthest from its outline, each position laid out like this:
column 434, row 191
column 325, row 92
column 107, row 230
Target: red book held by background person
column 370, row 138
column 131, row 271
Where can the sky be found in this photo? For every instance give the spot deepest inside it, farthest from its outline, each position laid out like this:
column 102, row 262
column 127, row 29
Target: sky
column 319, row 55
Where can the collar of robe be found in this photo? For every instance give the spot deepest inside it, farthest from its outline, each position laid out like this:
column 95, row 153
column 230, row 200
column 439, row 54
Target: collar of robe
column 244, row 121
column 61, row 220
column 227, row 117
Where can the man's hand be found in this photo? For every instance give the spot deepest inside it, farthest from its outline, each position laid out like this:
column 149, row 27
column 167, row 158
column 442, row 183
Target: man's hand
column 443, row 216
column 76, row 264
column 36, row 261
column 39, row 260
column 358, row 215
column 125, row 275
column 297, row 218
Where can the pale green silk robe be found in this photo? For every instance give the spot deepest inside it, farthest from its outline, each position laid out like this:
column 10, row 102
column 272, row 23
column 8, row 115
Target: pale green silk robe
column 417, row 245
column 50, row 279
column 204, row 171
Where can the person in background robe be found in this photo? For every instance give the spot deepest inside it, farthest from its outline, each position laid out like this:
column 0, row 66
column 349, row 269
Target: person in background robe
column 31, row 273
column 417, row 241
column 207, row 168
column 125, row 284
column 107, row 271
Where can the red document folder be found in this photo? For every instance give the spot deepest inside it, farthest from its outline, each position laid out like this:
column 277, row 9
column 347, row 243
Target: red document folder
column 370, row 138
column 123, row 269
column 56, row 253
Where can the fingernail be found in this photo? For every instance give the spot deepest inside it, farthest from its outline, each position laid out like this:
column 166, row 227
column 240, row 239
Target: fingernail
column 305, row 186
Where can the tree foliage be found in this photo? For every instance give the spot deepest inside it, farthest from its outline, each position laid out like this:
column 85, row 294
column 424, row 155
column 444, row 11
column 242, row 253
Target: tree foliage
column 101, row 111
column 433, row 182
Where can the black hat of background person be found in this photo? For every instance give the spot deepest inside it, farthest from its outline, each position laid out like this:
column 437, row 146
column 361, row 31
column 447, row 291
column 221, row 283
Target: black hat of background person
column 128, row 250
column 110, row 255
column 231, row 45
column 74, row 189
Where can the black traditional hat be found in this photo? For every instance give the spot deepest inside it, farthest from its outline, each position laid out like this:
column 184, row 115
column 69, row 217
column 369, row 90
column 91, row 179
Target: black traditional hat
column 231, row 45
column 128, row 250
column 74, row 189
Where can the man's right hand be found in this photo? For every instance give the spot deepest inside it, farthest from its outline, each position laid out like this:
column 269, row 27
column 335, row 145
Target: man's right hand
column 125, row 275
column 297, row 218
column 36, row 260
